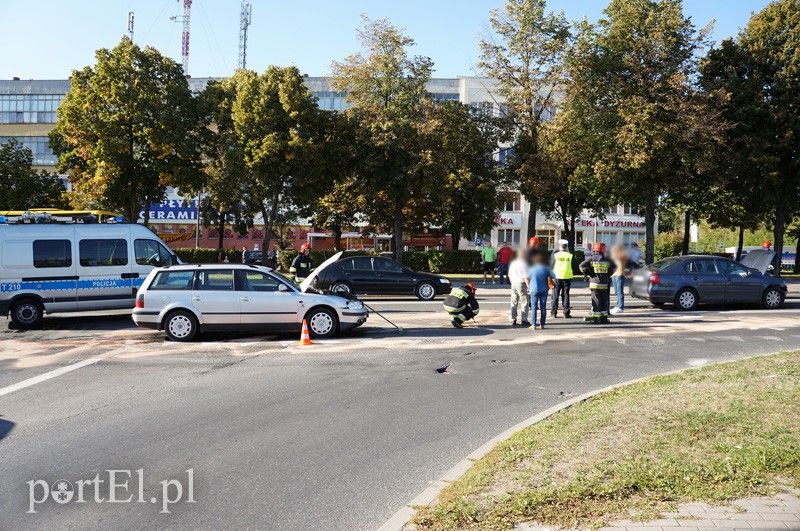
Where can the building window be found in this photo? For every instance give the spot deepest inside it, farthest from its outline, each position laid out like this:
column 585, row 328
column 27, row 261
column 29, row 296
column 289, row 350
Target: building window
column 510, row 236
column 446, row 96
column 578, row 238
column 547, row 238
column 630, row 237
column 39, row 146
column 331, row 101
column 29, row 108
column 510, row 202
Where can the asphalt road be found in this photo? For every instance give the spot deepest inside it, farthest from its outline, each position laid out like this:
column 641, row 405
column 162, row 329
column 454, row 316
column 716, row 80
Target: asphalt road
column 337, row 436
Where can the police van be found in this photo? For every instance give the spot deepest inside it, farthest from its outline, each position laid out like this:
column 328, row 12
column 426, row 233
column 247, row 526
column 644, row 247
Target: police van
column 67, row 267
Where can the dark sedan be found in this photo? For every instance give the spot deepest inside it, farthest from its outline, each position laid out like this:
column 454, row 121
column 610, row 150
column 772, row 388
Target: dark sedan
column 687, row 281
column 376, row 275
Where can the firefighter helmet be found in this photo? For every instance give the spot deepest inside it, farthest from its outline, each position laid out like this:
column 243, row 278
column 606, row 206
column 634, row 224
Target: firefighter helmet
column 767, row 244
column 305, row 247
column 533, row 242
column 599, row 247
column 471, row 287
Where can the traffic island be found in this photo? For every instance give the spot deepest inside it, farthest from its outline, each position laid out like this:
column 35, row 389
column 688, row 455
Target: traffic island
column 709, row 435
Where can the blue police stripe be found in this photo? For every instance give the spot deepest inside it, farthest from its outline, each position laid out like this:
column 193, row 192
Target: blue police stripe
column 56, row 285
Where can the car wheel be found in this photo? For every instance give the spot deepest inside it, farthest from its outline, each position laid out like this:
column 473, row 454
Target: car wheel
column 341, row 287
column 181, row 325
column 27, row 313
column 322, row 323
column 772, row 299
column 686, row 299
column 426, row 291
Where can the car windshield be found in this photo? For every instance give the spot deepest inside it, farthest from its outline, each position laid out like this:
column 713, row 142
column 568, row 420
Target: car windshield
column 664, row 264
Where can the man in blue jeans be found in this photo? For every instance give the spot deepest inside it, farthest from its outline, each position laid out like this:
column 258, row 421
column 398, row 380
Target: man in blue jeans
column 540, row 277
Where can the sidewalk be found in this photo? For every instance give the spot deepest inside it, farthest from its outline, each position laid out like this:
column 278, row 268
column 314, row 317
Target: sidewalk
column 779, row 512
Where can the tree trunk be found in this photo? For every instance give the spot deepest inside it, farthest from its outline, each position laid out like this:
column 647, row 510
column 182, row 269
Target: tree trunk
column 532, row 220
column 221, row 228
column 571, row 238
column 456, row 234
column 269, row 221
column 687, row 228
column 337, row 238
column 740, row 244
column 398, row 231
column 649, row 231
column 780, row 225
column 796, row 254
column 566, row 233
column 147, row 204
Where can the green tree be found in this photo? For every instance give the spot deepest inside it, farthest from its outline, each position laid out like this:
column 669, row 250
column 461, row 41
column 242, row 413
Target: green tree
column 524, row 52
column 21, row 187
column 127, row 129
column 387, row 96
column 277, row 125
column 633, row 73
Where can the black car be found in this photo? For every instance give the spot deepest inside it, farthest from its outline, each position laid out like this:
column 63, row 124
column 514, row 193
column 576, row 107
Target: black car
column 254, row 258
column 376, row 275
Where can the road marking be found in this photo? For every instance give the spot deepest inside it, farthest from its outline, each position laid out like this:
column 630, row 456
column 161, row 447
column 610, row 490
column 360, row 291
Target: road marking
column 47, row 376
column 697, row 362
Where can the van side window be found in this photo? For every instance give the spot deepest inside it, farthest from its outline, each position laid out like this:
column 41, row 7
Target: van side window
column 151, row 252
column 102, row 253
column 52, row 253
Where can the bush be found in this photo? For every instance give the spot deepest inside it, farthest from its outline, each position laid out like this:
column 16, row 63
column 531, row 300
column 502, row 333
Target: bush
column 207, row 256
column 668, row 244
column 455, row 261
column 416, row 260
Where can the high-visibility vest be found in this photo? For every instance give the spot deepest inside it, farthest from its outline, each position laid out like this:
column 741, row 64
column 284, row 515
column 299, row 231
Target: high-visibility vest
column 563, row 265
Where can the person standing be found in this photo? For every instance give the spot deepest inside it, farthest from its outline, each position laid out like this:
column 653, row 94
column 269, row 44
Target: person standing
column 518, row 276
column 599, row 269
column 245, row 255
column 489, row 257
column 540, row 278
column 504, row 256
column 635, row 255
column 301, row 265
column 272, row 259
column 533, row 248
column 562, row 264
column 621, row 262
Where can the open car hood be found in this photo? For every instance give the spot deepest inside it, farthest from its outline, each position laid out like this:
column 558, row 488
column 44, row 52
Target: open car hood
column 758, row 259
column 310, row 279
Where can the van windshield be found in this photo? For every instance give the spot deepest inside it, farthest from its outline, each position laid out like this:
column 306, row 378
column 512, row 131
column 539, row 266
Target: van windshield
column 151, row 252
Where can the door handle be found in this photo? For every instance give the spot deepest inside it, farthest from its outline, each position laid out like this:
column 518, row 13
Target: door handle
column 246, row 299
column 197, row 298
column 380, row 276
column 129, row 275
column 695, row 279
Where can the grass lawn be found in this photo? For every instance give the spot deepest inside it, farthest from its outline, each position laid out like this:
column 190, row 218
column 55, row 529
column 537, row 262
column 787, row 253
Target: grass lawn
column 710, row 434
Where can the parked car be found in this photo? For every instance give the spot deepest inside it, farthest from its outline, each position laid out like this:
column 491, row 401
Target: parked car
column 376, row 275
column 687, row 281
column 254, row 258
column 71, row 267
column 188, row 299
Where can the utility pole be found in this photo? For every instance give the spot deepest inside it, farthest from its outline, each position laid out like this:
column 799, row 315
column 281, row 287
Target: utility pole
column 245, row 19
column 187, row 11
column 130, row 24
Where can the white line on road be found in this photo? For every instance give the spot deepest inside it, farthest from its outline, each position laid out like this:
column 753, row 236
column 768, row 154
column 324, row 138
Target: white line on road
column 46, row 376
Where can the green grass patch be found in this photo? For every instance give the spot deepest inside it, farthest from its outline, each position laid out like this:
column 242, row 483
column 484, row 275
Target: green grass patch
column 706, row 435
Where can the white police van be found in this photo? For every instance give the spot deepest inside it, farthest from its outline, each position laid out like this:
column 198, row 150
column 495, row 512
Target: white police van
column 74, row 267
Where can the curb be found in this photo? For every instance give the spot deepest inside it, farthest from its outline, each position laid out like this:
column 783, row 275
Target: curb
column 399, row 520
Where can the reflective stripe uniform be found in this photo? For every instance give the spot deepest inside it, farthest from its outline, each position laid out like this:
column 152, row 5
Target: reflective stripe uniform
column 461, row 304
column 561, row 263
column 301, row 267
column 599, row 268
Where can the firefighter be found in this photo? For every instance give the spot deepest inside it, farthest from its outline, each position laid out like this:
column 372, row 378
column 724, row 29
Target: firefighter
column 462, row 305
column 301, row 265
column 599, row 269
column 561, row 264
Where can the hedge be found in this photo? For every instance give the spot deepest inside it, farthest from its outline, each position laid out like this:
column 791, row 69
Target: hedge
column 207, row 256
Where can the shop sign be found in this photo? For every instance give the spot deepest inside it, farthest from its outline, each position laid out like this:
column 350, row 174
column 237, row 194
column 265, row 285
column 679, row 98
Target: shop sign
column 611, row 223
column 511, row 221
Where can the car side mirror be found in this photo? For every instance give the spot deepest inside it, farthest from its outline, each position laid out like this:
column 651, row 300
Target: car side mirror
column 282, row 287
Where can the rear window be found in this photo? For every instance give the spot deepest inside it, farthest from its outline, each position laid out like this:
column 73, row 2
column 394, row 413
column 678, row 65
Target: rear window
column 664, row 264
column 181, row 280
column 52, row 253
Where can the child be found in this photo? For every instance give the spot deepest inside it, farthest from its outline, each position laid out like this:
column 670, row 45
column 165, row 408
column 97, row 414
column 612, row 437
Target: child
column 541, row 277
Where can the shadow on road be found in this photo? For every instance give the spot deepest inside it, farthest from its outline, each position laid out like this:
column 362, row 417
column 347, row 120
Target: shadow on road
column 82, row 321
column 5, row 428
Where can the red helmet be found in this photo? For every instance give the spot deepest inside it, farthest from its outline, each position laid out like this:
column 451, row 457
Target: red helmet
column 305, row 247
column 767, row 244
column 471, row 287
column 599, row 247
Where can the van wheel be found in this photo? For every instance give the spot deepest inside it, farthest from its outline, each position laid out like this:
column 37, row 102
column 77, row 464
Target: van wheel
column 322, row 323
column 27, row 313
column 180, row 325
column 772, row 299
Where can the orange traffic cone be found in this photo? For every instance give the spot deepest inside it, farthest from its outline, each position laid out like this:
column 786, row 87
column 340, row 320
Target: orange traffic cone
column 305, row 339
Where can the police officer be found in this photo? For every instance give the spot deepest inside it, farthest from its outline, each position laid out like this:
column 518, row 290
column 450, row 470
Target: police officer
column 599, row 269
column 561, row 264
column 462, row 305
column 301, row 265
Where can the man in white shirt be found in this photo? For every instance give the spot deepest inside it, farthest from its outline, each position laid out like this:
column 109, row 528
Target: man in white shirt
column 518, row 276
column 635, row 254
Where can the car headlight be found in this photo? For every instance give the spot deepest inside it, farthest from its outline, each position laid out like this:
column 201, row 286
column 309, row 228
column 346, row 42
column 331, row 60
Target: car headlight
column 355, row 305
column 444, row 281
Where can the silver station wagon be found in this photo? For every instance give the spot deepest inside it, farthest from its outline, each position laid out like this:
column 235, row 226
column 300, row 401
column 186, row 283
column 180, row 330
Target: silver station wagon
column 185, row 300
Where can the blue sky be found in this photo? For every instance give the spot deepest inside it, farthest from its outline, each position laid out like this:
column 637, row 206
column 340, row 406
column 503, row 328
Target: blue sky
column 46, row 39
